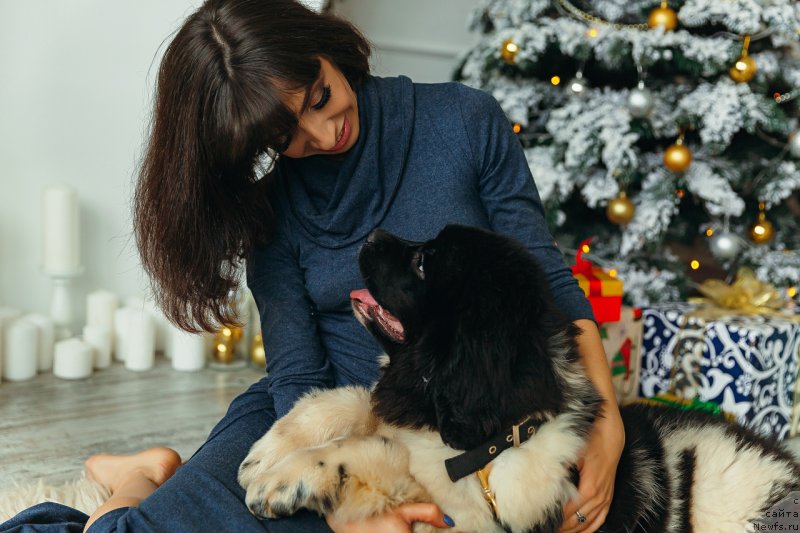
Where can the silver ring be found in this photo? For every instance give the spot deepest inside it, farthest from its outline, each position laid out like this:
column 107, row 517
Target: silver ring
column 581, row 518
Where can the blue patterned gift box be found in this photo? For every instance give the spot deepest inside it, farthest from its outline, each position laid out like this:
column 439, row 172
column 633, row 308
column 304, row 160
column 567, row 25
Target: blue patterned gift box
column 746, row 364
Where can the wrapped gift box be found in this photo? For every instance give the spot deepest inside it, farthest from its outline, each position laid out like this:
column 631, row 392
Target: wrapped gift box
column 747, row 364
column 603, row 290
column 622, row 341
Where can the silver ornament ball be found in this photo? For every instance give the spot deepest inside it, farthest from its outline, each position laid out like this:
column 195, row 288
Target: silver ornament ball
column 725, row 245
column 640, row 102
column 794, row 144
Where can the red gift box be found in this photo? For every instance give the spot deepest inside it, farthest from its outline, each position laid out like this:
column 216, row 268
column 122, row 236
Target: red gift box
column 603, row 290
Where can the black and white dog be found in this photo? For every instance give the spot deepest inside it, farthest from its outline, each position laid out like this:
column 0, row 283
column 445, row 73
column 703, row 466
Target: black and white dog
column 481, row 375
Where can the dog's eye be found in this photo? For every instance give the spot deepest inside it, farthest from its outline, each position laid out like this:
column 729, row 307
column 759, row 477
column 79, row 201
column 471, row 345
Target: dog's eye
column 419, row 264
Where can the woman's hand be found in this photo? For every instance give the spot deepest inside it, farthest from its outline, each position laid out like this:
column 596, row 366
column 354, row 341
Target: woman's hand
column 598, row 468
column 398, row 520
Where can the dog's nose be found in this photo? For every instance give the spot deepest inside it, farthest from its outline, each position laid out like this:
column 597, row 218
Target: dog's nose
column 378, row 235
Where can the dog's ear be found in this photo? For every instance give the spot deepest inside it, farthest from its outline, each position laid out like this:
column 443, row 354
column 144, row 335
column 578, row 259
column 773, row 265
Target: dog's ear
column 497, row 359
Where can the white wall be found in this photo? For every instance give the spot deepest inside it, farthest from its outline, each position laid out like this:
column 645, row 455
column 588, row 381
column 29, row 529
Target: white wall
column 419, row 38
column 76, row 78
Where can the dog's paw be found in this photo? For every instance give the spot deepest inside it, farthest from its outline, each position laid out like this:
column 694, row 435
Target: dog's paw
column 302, row 480
column 266, row 452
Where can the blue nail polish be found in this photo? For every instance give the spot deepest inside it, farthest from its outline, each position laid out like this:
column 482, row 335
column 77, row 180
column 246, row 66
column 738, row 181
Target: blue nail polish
column 449, row 521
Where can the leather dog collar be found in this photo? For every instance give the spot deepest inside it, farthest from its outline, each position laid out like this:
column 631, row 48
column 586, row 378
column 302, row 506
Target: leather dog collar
column 473, row 460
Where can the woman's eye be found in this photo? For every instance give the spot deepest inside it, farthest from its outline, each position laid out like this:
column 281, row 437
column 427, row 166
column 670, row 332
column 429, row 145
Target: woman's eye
column 323, row 99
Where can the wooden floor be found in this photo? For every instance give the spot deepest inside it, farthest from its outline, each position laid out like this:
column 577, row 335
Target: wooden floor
column 49, row 426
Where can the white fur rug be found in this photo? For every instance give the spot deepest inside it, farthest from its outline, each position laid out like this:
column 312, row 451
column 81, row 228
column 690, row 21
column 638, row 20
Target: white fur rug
column 82, row 494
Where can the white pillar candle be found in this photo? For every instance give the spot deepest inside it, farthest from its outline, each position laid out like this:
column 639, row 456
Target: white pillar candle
column 140, row 341
column 99, row 338
column 188, row 350
column 100, row 307
column 7, row 315
column 72, row 359
column 21, row 345
column 161, row 323
column 61, row 225
column 121, row 317
column 47, row 339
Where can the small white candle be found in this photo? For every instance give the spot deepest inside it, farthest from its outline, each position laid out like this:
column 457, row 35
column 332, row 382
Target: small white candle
column 47, row 339
column 61, row 225
column 99, row 338
column 100, row 307
column 72, row 359
column 188, row 350
column 7, row 315
column 121, row 317
column 20, row 349
column 140, row 341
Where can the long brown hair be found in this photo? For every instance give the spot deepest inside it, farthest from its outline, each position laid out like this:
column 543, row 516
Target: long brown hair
column 199, row 206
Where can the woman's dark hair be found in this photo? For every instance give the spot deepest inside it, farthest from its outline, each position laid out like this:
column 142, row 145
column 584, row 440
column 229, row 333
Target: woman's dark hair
column 199, row 206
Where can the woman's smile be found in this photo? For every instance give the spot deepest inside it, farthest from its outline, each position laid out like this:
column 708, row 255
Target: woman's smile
column 343, row 138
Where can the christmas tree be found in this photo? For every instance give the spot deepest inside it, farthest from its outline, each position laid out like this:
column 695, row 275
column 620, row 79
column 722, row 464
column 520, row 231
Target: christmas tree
column 665, row 131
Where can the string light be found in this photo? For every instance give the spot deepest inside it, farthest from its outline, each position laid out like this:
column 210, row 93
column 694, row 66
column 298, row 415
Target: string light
column 574, row 11
column 517, row 127
column 709, row 232
column 695, row 264
column 585, row 249
column 555, row 80
column 792, row 292
column 592, row 32
column 613, row 272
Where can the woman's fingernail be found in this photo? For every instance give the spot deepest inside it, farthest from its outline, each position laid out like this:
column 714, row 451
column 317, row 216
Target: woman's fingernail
column 449, row 521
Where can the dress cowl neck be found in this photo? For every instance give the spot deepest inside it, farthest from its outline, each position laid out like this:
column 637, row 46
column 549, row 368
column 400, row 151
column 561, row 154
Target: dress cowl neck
column 338, row 201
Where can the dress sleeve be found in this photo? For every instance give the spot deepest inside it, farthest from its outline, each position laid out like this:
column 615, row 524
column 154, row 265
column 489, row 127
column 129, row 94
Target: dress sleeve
column 509, row 195
column 296, row 360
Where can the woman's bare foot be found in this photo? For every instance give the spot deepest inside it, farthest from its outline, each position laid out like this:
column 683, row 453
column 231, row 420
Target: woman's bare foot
column 111, row 471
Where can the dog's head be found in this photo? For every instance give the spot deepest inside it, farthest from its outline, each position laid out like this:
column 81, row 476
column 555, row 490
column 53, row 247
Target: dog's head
column 467, row 321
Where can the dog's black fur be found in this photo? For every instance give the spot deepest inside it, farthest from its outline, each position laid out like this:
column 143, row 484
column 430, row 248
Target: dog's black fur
column 464, row 369
column 476, row 359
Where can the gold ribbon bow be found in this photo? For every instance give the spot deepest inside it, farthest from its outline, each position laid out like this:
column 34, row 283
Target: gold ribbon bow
column 747, row 295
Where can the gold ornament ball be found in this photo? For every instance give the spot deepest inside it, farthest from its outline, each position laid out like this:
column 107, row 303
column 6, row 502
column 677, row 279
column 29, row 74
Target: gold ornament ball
column 762, row 231
column 743, row 70
column 664, row 17
column 677, row 158
column 620, row 210
column 509, row 51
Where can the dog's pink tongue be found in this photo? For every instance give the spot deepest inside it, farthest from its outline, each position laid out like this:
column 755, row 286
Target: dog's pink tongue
column 389, row 323
column 363, row 295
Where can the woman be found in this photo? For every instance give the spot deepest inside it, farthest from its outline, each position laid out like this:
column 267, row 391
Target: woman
column 247, row 81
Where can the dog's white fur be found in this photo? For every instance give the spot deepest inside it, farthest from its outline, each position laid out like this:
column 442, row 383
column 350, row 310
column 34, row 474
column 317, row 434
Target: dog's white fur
column 386, row 466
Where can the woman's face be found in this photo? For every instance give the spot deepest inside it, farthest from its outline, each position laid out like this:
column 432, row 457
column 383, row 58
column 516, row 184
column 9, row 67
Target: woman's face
column 329, row 123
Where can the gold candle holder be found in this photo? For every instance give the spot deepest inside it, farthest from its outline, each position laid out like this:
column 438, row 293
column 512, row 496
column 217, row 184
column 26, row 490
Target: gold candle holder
column 224, row 353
